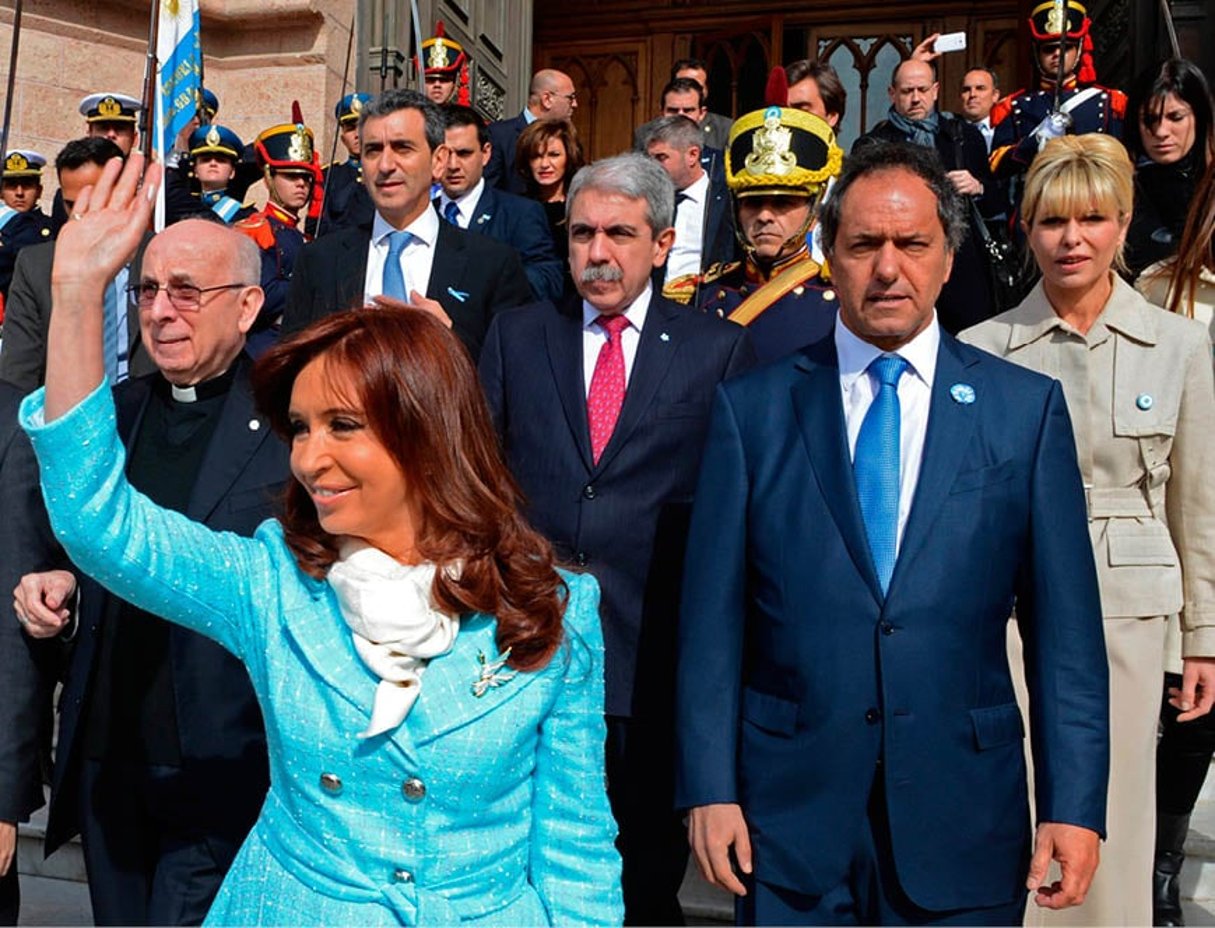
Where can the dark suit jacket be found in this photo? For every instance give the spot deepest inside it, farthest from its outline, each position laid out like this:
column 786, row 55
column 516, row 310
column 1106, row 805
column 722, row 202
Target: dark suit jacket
column 219, row 723
column 967, row 298
column 500, row 172
column 472, row 276
column 28, row 316
column 625, row 518
column 28, row 668
column 522, row 224
column 796, row 674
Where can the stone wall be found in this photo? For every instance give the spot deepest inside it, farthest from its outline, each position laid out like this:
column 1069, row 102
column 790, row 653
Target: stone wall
column 259, row 55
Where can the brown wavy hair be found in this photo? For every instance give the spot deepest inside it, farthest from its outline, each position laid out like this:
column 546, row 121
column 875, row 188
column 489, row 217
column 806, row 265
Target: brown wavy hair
column 535, row 138
column 419, row 391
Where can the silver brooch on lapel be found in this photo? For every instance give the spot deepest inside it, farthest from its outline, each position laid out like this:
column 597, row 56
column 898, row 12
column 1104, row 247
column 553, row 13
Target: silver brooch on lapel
column 492, row 674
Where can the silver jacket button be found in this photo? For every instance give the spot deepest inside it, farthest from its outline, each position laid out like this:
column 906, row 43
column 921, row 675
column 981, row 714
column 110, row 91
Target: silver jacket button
column 331, row 783
column 413, row 789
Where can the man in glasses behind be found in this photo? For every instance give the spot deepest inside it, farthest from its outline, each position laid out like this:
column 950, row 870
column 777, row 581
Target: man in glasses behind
column 161, row 764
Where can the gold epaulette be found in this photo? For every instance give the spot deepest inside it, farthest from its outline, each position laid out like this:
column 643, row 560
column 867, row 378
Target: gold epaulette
column 682, row 289
column 720, row 269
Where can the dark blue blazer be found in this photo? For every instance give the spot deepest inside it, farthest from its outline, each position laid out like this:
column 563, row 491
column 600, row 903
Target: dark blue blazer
column 219, row 723
column 472, row 277
column 522, row 224
column 625, row 518
column 796, row 675
column 500, row 172
column 29, row 668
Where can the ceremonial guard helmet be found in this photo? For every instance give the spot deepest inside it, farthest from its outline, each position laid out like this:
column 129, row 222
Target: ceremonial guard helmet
column 1047, row 26
column 445, row 56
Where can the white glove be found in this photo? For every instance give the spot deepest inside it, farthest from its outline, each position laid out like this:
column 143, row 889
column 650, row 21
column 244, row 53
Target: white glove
column 1052, row 127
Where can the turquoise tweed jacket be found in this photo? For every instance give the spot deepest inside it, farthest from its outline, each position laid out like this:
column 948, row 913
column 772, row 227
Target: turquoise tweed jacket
column 487, row 808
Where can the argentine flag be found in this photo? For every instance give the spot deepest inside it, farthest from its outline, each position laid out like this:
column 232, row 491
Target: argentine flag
column 178, row 76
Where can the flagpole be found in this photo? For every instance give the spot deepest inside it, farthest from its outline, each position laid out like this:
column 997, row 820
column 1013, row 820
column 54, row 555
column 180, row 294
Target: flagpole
column 333, row 148
column 12, row 79
column 149, row 83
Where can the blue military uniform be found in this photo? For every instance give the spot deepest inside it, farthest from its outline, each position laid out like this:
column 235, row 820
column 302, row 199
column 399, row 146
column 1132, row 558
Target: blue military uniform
column 286, row 148
column 183, row 192
column 1020, row 121
column 17, row 228
column 346, row 201
column 786, row 302
column 792, row 307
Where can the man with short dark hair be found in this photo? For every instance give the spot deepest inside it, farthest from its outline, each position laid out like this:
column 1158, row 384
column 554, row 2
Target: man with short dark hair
column 601, row 404
column 816, row 88
column 407, row 254
column 980, row 92
column 551, row 96
column 716, row 126
column 704, row 221
column 161, row 761
column 28, row 307
column 967, row 297
column 869, row 512
column 468, row 202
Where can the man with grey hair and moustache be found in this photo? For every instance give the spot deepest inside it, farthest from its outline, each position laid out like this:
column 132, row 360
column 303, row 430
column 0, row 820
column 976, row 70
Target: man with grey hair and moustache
column 161, row 761
column 602, row 404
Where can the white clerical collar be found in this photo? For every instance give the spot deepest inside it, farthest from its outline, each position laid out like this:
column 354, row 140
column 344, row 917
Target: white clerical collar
column 855, row 354
column 425, row 227
column 184, row 394
column 636, row 312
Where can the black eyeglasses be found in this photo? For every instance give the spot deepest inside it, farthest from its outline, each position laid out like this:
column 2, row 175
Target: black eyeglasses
column 186, row 298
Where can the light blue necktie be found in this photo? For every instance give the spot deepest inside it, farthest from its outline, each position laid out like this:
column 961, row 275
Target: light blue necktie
column 393, row 282
column 876, row 466
column 109, row 332
column 451, row 212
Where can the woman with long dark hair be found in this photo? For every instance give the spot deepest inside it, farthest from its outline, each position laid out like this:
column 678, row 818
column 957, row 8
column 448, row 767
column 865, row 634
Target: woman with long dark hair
column 547, row 156
column 1170, row 134
column 432, row 685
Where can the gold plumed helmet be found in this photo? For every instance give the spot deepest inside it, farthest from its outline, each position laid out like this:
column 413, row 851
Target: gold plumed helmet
column 779, row 150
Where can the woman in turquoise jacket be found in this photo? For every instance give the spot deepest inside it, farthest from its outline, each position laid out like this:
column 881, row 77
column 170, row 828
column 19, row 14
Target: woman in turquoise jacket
column 432, row 687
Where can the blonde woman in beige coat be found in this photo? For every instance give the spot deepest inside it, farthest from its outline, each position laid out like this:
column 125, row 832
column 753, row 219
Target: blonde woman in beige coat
column 1139, row 388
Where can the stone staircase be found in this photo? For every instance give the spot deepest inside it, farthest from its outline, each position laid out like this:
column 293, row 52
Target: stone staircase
column 702, row 904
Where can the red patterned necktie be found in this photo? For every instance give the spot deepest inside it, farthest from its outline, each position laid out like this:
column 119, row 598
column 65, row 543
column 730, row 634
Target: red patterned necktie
column 606, row 395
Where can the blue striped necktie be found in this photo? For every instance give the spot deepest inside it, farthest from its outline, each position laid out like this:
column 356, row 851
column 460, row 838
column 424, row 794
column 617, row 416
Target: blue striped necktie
column 875, row 466
column 109, row 331
column 393, row 282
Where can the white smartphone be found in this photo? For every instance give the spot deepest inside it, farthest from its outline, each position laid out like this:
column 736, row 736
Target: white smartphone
column 950, row 42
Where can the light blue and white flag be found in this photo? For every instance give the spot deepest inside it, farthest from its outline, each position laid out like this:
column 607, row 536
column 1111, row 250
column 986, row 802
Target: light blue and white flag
column 178, row 77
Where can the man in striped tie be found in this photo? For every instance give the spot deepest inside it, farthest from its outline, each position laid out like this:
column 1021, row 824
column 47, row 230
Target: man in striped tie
column 869, row 511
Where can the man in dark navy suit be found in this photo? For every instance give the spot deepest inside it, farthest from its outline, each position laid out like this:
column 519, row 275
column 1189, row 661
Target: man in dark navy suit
column 602, row 404
column 161, row 761
column 704, row 213
column 468, row 202
column 869, row 511
column 407, row 254
column 550, row 96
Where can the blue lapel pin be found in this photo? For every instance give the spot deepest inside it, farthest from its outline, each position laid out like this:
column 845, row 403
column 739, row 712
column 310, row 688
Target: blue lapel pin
column 460, row 295
column 484, row 217
column 962, row 393
column 1144, row 401
column 665, row 337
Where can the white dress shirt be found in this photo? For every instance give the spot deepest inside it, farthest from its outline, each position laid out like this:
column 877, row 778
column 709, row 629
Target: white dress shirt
column 594, row 337
column 986, row 130
column 416, row 259
column 689, row 230
column 464, row 204
column 859, row 387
